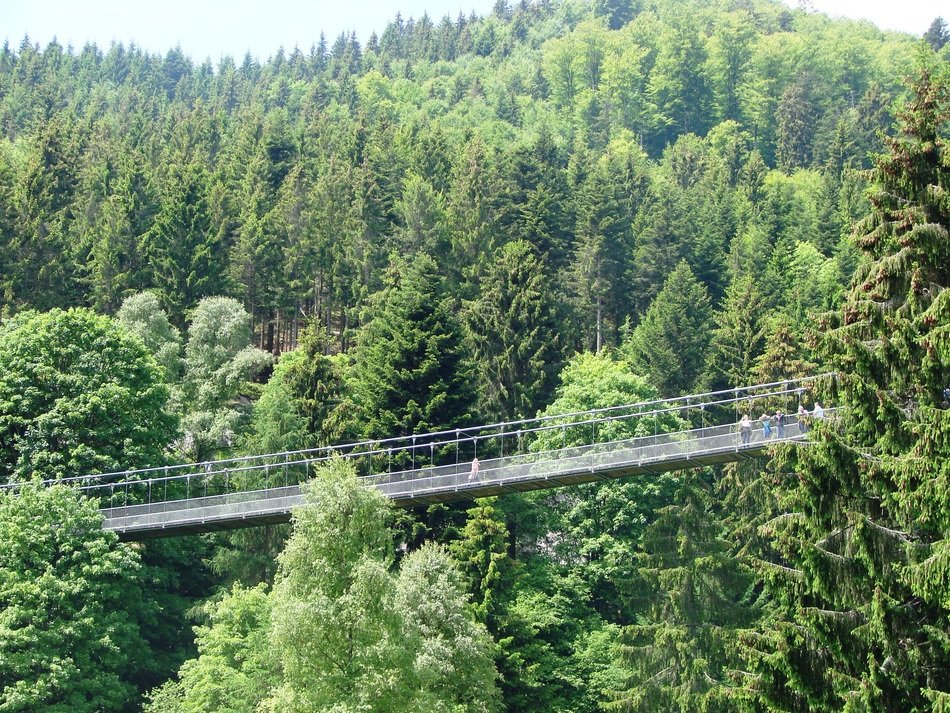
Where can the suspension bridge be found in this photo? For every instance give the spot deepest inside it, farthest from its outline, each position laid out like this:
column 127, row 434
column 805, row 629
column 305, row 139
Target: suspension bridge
column 645, row 439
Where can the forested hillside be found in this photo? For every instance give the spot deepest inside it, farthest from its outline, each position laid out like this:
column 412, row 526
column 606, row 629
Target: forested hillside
column 561, row 206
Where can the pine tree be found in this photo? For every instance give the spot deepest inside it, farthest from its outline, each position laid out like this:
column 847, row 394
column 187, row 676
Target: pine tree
column 937, row 35
column 865, row 614
column 659, row 244
column 670, row 344
column 601, row 254
column 795, row 128
column 739, row 335
column 513, row 328
column 184, row 250
column 783, row 356
column 410, row 372
column 41, row 270
column 689, row 591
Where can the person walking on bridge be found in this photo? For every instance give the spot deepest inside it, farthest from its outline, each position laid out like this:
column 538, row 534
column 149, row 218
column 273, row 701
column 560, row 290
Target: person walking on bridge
column 473, row 474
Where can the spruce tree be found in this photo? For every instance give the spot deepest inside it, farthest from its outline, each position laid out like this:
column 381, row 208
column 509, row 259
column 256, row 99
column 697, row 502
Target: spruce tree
column 183, row 249
column 670, row 344
column 411, row 373
column 864, row 608
column 513, row 328
column 689, row 594
column 739, row 336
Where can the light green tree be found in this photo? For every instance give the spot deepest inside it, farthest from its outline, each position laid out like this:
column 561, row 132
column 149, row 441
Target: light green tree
column 598, row 524
column 235, row 668
column 143, row 315
column 69, row 633
column 351, row 634
column 78, row 394
column 452, row 668
column 219, row 363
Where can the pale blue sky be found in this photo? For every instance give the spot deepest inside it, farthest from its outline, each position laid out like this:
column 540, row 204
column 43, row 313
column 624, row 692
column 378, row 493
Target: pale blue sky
column 212, row 28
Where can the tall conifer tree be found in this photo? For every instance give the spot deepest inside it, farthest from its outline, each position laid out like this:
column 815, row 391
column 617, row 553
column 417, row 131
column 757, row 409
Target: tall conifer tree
column 411, row 374
column 865, row 614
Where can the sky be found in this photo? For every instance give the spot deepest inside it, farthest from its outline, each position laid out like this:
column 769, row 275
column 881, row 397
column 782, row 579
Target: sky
column 214, row 28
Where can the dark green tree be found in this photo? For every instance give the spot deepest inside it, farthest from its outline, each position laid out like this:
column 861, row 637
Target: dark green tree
column 863, row 609
column 411, row 372
column 669, row 345
column 183, row 249
column 783, row 356
column 618, row 12
column 604, row 244
column 514, row 331
column 739, row 335
column 795, row 128
column 689, row 592
column 937, row 35
column 42, row 269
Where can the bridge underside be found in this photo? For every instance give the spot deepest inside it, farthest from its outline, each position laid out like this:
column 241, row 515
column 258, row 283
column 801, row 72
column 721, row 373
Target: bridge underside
column 443, row 484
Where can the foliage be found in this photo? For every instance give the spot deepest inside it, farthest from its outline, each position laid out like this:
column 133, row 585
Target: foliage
column 669, row 345
column 219, row 362
column 78, row 395
column 688, row 589
column 69, row 634
column 352, row 635
column 739, row 336
column 594, row 526
column 512, row 325
column 453, row 663
column 862, row 624
column 410, row 372
column 235, row 667
column 143, row 316
column 423, row 228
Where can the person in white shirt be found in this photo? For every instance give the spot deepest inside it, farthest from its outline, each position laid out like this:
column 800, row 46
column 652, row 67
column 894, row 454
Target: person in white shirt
column 745, row 429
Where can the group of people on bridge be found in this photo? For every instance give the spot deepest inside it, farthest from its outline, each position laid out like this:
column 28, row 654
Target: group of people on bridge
column 774, row 425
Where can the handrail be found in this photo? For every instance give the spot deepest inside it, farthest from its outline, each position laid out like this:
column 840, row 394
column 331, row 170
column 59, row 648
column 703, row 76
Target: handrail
column 686, row 436
column 413, row 442
column 527, row 470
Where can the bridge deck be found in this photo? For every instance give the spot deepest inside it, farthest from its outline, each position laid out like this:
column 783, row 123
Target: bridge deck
column 442, row 484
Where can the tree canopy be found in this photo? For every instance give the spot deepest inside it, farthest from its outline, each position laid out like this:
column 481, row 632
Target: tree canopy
column 78, row 395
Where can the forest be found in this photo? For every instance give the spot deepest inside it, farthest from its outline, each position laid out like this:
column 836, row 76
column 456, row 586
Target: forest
column 562, row 205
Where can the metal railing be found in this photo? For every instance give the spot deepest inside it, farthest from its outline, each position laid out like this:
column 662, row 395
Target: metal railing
column 447, row 454
column 531, row 470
